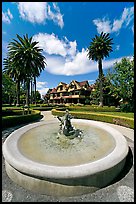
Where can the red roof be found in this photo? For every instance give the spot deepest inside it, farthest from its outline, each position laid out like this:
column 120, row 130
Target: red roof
column 82, row 83
column 53, row 90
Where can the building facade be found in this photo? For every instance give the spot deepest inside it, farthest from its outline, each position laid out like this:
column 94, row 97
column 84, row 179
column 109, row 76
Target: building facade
column 75, row 92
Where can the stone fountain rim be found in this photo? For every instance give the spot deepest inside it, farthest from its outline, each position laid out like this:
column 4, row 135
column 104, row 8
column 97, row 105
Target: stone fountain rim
column 18, row 161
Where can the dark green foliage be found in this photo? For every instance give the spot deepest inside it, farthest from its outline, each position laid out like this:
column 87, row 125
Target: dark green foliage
column 8, row 89
column 24, row 63
column 87, row 101
column 100, row 47
column 9, row 112
column 90, row 108
column 122, row 83
column 43, row 108
column 108, row 98
column 10, row 121
column 129, row 107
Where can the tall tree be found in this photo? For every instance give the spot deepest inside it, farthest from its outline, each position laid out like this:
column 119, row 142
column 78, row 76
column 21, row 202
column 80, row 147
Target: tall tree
column 14, row 73
column 99, row 48
column 108, row 98
column 121, row 77
column 28, row 58
column 8, row 89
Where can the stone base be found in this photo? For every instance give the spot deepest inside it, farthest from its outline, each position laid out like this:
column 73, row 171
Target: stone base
column 64, row 187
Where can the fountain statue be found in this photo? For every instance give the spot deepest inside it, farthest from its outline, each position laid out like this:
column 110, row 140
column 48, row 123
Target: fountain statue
column 66, row 127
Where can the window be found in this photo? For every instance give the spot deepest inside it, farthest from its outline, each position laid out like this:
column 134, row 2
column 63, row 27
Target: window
column 61, row 88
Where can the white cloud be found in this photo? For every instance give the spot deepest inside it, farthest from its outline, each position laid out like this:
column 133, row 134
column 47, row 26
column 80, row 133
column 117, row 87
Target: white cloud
column 39, row 12
column 51, row 44
column 42, row 87
column 63, row 58
column 4, row 48
column 4, row 32
column 7, row 17
column 128, row 15
column 107, row 26
column 91, row 81
column 117, row 47
column 43, row 91
column 132, row 28
column 34, row 12
column 9, row 14
column 102, row 25
column 72, row 48
column 56, row 16
column 117, row 24
column 40, row 84
column 79, row 65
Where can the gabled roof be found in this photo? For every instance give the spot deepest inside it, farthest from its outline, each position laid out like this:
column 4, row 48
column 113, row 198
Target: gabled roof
column 78, row 84
column 62, row 83
column 49, row 91
column 53, row 90
column 82, row 83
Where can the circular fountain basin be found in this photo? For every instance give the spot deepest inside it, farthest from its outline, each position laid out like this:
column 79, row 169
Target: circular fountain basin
column 39, row 159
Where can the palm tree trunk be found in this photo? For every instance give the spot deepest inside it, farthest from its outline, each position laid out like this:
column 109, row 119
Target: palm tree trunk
column 27, row 91
column 35, row 89
column 9, row 99
column 18, row 92
column 31, row 91
column 100, row 79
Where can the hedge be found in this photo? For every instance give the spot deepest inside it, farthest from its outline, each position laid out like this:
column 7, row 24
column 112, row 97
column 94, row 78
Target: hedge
column 46, row 108
column 91, row 108
column 10, row 121
column 118, row 120
column 43, row 108
column 9, row 112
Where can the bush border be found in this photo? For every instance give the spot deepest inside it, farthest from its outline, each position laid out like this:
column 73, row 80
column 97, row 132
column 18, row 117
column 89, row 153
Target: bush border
column 11, row 121
column 117, row 120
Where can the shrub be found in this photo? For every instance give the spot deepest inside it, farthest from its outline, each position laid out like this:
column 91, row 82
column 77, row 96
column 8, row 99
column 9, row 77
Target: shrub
column 91, row 108
column 9, row 112
column 10, row 121
column 43, row 108
column 48, row 107
column 87, row 101
column 127, row 107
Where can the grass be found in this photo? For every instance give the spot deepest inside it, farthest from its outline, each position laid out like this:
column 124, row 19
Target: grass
column 128, row 115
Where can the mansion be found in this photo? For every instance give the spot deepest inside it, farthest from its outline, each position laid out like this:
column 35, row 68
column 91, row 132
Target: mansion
column 75, row 92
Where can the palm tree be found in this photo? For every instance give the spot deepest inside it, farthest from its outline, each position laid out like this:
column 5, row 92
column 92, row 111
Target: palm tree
column 28, row 58
column 99, row 48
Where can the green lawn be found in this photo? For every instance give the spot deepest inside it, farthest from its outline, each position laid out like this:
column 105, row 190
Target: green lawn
column 128, row 115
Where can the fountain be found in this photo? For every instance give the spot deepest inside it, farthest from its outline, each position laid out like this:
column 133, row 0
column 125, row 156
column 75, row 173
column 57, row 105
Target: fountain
column 67, row 128
column 67, row 159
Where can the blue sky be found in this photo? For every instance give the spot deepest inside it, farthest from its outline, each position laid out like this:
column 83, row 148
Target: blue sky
column 64, row 30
